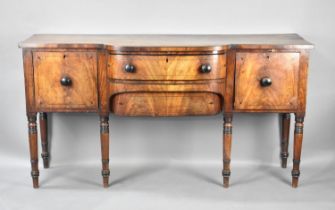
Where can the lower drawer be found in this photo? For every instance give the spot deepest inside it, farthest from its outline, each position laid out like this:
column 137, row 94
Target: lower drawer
column 166, row 104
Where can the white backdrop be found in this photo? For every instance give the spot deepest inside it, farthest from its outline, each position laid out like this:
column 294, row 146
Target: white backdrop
column 75, row 137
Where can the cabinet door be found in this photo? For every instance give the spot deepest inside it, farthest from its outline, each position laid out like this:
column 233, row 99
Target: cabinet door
column 65, row 81
column 266, row 81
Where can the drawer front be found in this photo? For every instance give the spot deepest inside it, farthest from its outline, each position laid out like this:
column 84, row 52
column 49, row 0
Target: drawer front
column 65, row 80
column 184, row 67
column 166, row 104
column 266, row 81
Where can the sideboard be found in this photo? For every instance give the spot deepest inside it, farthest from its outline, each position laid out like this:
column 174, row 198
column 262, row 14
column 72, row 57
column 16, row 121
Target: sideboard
column 165, row 75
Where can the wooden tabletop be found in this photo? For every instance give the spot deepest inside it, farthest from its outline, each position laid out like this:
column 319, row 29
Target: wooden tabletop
column 127, row 42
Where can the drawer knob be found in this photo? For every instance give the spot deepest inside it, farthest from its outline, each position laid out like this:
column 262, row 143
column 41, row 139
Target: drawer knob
column 205, row 68
column 129, row 68
column 265, row 81
column 66, row 81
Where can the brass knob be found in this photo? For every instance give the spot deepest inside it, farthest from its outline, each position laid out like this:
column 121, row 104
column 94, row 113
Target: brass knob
column 205, row 68
column 265, row 81
column 65, row 81
column 129, row 68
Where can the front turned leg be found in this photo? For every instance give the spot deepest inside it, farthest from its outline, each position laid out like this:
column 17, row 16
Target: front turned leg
column 32, row 132
column 44, row 139
column 104, row 137
column 298, row 136
column 285, row 135
column 227, row 133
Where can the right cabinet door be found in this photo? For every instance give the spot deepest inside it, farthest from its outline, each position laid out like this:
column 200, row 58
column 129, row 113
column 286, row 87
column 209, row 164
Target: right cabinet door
column 266, row 81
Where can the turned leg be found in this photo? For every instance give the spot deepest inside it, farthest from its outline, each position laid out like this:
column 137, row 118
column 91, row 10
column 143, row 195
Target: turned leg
column 298, row 136
column 285, row 135
column 227, row 133
column 44, row 139
column 104, row 137
column 32, row 131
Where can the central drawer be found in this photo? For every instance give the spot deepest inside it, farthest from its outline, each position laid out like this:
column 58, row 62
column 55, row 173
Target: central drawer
column 166, row 104
column 163, row 67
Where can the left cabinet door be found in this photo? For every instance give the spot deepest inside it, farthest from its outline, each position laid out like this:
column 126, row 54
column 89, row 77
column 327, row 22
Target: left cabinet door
column 65, row 81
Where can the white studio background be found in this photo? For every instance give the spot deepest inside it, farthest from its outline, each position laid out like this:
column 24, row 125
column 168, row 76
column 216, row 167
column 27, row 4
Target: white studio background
column 75, row 137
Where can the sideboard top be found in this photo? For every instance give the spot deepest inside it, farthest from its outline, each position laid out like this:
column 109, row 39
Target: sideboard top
column 127, row 42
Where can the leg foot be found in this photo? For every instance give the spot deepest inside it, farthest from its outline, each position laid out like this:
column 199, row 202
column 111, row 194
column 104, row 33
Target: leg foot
column 34, row 176
column 226, row 175
column 285, row 133
column 104, row 138
column 44, row 139
column 295, row 178
column 298, row 136
column 227, row 133
column 32, row 132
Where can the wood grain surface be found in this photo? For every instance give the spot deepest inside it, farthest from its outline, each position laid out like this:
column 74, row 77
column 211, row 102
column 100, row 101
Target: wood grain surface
column 166, row 104
column 80, row 67
column 185, row 67
column 281, row 68
column 167, row 42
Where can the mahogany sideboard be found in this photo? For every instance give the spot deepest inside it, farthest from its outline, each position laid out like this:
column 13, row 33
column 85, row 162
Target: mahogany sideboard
column 166, row 75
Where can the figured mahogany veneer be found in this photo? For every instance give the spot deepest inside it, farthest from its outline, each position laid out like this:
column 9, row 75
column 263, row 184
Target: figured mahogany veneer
column 166, row 104
column 81, row 70
column 282, row 69
column 166, row 75
column 186, row 67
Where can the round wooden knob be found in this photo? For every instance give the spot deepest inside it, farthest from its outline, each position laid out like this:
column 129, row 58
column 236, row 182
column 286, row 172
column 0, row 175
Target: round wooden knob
column 65, row 81
column 205, row 68
column 265, row 81
column 129, row 68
